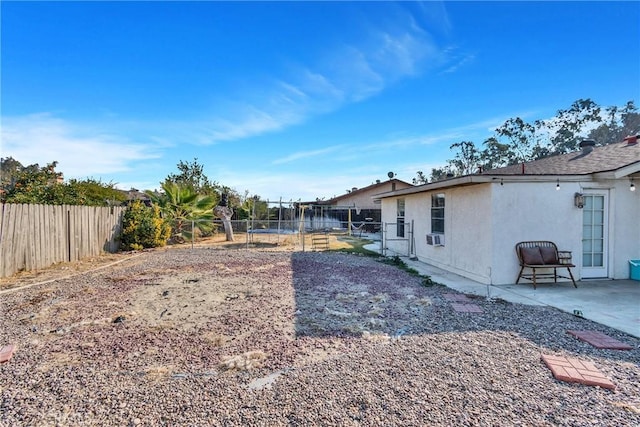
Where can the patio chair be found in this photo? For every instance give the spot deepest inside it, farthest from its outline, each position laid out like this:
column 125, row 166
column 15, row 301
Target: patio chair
column 542, row 254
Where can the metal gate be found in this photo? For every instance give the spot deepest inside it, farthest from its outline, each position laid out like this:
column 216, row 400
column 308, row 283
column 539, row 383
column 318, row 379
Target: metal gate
column 397, row 239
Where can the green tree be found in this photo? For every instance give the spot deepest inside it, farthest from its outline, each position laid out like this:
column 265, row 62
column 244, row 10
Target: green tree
column 496, row 154
column 567, row 129
column 143, row 227
column 467, row 158
column 521, row 139
column 43, row 185
column 618, row 123
column 181, row 205
column 35, row 184
column 517, row 141
column 9, row 169
column 438, row 174
column 93, row 192
column 420, row 178
column 192, row 176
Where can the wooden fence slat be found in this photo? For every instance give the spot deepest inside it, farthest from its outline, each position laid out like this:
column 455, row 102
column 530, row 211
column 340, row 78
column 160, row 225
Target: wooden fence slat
column 37, row 236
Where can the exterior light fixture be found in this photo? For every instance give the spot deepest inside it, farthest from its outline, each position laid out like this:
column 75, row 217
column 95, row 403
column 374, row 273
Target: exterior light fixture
column 557, row 185
column 632, row 186
column 578, row 200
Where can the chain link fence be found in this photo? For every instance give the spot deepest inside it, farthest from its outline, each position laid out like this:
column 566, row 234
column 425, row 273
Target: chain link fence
column 298, row 234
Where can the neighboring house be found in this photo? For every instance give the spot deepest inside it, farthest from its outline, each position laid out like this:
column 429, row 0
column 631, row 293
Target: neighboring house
column 359, row 200
column 583, row 201
column 133, row 195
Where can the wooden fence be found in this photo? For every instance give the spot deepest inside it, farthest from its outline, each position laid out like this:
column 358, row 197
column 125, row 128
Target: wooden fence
column 37, row 236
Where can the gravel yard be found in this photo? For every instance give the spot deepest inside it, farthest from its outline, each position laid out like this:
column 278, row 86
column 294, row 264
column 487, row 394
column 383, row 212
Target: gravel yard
column 219, row 337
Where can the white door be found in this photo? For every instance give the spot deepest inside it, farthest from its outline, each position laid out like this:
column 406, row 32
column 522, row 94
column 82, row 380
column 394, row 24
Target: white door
column 595, row 225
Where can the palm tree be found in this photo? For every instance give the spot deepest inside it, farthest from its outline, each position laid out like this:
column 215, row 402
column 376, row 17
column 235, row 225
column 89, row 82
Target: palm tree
column 186, row 210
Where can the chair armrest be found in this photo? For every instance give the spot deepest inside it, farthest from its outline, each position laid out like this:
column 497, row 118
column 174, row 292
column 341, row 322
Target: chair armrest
column 564, row 257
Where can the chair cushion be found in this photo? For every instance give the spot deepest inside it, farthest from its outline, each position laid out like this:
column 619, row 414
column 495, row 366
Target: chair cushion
column 531, row 256
column 549, row 255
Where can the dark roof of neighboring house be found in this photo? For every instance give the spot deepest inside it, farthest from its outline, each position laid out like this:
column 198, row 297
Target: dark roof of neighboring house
column 601, row 159
column 134, row 194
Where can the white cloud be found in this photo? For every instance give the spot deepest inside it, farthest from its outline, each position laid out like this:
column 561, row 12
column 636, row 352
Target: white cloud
column 347, row 73
column 81, row 152
column 306, row 154
column 459, row 62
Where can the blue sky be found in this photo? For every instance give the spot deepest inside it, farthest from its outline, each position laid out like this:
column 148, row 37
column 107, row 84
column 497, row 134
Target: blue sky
column 295, row 99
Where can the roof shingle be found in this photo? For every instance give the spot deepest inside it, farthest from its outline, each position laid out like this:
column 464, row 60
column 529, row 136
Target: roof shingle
column 602, row 159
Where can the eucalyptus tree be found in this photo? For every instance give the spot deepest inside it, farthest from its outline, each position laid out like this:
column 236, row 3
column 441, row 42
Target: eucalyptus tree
column 467, row 158
column 520, row 137
column 496, row 154
column 618, row 123
column 570, row 126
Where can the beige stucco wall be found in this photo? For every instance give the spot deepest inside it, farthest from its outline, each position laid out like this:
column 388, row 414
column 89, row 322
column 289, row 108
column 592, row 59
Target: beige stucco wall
column 532, row 211
column 467, row 230
column 484, row 222
column 624, row 230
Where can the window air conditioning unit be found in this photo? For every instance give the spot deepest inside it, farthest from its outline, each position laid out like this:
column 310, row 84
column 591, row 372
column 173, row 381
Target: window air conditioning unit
column 435, row 239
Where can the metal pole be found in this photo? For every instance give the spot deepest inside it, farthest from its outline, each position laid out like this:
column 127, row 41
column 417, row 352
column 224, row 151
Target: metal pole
column 382, row 239
column 193, row 232
column 279, row 219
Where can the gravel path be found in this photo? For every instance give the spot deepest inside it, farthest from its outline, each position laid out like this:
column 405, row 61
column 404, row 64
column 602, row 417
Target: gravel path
column 212, row 337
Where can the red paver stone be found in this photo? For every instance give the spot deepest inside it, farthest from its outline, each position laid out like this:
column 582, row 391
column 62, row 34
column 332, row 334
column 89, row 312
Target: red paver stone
column 576, row 371
column 457, row 297
column 466, row 308
column 600, row 340
column 6, row 352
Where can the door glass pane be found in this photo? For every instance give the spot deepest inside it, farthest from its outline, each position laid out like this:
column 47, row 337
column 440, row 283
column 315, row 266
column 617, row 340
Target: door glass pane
column 588, row 203
column 598, row 217
column 597, row 232
column 598, row 202
column 598, row 246
column 593, row 237
column 597, row 260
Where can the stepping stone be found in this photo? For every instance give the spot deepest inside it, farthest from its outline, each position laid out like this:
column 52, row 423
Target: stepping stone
column 457, row 297
column 576, row 371
column 466, row 308
column 6, row 353
column 600, row 340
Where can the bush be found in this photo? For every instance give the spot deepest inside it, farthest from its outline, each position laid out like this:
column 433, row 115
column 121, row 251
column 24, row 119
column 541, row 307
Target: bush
column 143, row 227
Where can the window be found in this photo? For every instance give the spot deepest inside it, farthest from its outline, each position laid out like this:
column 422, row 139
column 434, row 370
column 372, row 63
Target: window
column 400, row 218
column 437, row 213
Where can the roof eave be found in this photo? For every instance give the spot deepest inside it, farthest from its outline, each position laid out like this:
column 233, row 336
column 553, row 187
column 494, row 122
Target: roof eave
column 621, row 172
column 438, row 185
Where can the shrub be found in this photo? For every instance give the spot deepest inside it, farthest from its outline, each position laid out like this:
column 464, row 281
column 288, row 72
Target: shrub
column 143, row 227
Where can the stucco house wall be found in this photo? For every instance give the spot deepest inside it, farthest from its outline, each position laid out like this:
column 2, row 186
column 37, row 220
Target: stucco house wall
column 624, row 241
column 484, row 222
column 532, row 211
column 487, row 213
column 467, row 229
